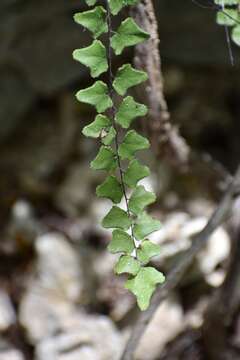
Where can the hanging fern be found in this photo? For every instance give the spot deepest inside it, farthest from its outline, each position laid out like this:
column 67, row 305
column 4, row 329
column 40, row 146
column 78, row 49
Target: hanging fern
column 132, row 224
column 228, row 15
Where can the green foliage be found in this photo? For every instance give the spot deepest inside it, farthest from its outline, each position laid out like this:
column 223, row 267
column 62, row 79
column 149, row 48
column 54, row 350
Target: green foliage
column 93, row 56
column 230, row 16
column 236, row 35
column 116, row 218
column 128, row 111
column 96, row 95
column 134, row 173
column 147, row 250
column 127, row 264
column 91, row 2
column 109, row 137
column 94, row 20
column 140, row 199
column 121, row 242
column 144, row 284
column 132, row 143
column 117, row 5
column 132, row 225
column 128, row 77
column 226, row 2
column 105, row 160
column 128, row 34
column 95, row 129
column 145, row 225
column 111, row 189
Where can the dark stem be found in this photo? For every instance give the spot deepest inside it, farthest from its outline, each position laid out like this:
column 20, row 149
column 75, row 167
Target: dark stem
column 221, row 214
column 113, row 110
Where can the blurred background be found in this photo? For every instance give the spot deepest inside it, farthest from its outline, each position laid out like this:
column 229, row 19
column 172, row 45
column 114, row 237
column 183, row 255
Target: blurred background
column 59, row 298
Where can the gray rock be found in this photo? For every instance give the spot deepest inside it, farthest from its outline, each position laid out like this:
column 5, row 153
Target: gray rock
column 167, row 323
column 11, row 354
column 56, row 287
column 83, row 337
column 7, row 313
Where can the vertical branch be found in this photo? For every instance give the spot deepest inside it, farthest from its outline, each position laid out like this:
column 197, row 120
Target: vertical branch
column 113, row 112
column 164, row 137
column 221, row 214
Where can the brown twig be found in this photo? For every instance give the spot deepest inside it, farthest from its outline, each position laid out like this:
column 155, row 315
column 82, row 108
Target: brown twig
column 222, row 309
column 165, row 138
column 221, row 213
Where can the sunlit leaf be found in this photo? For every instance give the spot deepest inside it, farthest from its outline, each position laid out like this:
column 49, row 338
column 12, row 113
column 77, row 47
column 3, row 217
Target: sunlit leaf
column 117, row 5
column 94, row 57
column 91, row 2
column 111, row 189
column 116, row 218
column 94, row 20
column 132, row 142
column 127, row 264
column 128, row 34
column 140, row 199
column 129, row 110
column 236, row 35
column 108, row 138
column 227, row 18
column 147, row 250
column 96, row 95
column 121, row 242
column 226, row 2
column 134, row 173
column 145, row 225
column 144, row 284
column 128, row 77
column 94, row 129
column 105, row 160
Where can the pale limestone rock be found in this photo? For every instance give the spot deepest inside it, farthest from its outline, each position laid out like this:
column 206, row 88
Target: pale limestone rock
column 165, row 326
column 7, row 313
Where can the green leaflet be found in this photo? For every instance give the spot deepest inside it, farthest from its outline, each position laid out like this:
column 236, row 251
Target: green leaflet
column 91, row 2
column 117, row 5
column 144, row 284
column 116, row 218
column 93, row 56
column 145, row 225
column 121, row 242
column 135, row 250
column 140, row 199
column 236, row 35
column 111, row 189
column 128, row 77
column 94, row 20
column 105, row 160
column 128, row 34
column 128, row 111
column 132, row 142
column 95, row 129
column 226, row 2
column 96, row 95
column 109, row 137
column 227, row 18
column 127, row 264
column 134, row 173
column 147, row 250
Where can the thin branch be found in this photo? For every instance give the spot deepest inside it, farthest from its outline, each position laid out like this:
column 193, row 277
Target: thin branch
column 165, row 138
column 222, row 213
column 113, row 114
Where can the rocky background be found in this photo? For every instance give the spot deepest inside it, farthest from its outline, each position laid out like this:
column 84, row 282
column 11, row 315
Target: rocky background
column 59, row 299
